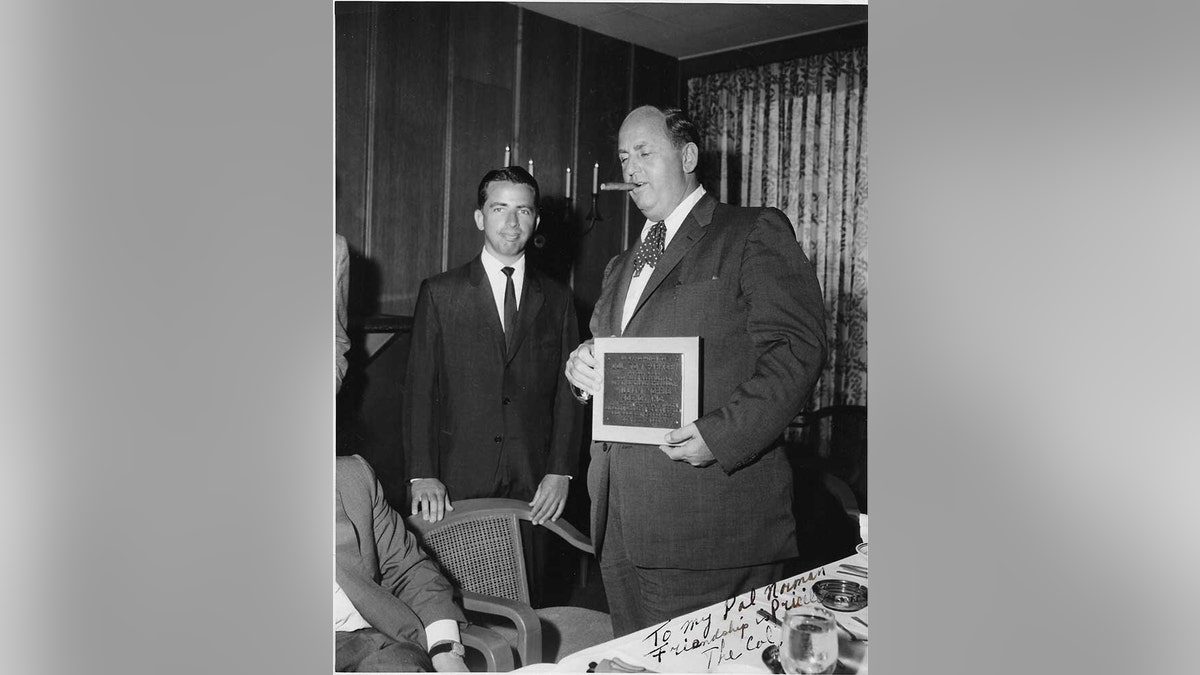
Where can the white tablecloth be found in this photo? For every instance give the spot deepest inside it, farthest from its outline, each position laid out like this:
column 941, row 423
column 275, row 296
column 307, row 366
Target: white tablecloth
column 727, row 637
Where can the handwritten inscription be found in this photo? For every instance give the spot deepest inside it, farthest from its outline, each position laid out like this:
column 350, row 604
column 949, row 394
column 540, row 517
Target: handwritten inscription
column 643, row 389
column 704, row 640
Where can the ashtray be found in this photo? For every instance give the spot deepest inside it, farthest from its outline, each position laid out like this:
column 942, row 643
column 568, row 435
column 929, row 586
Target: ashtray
column 770, row 657
column 841, row 595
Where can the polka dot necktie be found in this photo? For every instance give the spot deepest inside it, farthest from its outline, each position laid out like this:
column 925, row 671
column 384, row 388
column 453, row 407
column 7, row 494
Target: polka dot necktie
column 651, row 249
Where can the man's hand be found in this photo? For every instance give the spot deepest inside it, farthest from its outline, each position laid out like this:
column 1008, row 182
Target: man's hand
column 550, row 498
column 446, row 662
column 687, row 445
column 429, row 495
column 581, row 369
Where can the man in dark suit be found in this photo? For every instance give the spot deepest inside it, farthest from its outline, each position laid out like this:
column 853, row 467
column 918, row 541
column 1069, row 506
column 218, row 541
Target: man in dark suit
column 707, row 514
column 393, row 609
column 487, row 409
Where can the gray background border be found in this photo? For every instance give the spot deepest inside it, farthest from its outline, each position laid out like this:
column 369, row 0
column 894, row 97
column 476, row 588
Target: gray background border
column 168, row 411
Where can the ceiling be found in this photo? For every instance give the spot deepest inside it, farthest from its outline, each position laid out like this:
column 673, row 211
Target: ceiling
column 685, row 30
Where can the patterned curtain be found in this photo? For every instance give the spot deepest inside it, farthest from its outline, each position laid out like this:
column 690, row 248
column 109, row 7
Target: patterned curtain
column 793, row 135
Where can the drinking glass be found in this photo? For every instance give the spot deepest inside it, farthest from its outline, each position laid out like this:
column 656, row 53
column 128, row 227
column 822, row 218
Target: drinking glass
column 810, row 641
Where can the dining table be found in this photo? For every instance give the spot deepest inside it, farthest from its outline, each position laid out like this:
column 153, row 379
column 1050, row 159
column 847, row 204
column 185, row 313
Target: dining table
column 730, row 636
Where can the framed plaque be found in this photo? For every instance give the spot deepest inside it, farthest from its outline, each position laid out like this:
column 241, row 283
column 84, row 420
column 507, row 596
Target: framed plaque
column 651, row 386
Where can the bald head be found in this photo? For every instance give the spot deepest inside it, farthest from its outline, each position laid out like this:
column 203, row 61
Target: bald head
column 658, row 151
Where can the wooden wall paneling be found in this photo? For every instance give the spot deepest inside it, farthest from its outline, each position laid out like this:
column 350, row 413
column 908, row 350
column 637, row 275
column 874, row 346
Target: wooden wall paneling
column 546, row 133
column 603, row 104
column 484, row 43
column 369, row 421
column 408, row 149
column 655, row 82
column 353, row 22
column 655, row 78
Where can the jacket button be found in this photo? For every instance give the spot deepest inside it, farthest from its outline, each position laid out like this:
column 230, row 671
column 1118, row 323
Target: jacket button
column 498, row 439
column 507, row 400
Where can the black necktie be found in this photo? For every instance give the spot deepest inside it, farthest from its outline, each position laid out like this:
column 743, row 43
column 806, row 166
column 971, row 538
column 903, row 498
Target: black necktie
column 651, row 249
column 510, row 307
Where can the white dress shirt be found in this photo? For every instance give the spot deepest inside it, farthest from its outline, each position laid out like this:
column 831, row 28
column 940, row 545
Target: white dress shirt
column 673, row 221
column 492, row 267
column 346, row 619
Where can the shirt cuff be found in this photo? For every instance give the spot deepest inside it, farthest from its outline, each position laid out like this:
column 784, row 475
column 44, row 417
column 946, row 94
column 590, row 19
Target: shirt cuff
column 441, row 630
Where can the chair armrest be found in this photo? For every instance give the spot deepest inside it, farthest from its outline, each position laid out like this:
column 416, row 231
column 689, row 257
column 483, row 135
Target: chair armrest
column 529, row 626
column 495, row 649
column 838, row 488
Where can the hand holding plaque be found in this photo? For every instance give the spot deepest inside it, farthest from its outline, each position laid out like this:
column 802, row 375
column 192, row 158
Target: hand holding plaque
column 685, row 444
column 650, row 386
column 582, row 372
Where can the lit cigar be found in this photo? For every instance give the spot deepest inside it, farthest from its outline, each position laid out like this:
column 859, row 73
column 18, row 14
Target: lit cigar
column 617, row 186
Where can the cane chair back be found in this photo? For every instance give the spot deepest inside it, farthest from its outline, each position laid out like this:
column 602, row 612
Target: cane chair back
column 478, row 546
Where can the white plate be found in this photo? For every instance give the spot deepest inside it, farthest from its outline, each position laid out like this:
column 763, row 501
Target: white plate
column 862, row 548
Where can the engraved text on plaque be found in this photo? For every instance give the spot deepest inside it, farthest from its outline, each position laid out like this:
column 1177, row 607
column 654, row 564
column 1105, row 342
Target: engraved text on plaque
column 643, row 389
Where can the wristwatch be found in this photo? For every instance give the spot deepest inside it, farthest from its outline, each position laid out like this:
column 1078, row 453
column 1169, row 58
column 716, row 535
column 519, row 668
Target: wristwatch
column 451, row 646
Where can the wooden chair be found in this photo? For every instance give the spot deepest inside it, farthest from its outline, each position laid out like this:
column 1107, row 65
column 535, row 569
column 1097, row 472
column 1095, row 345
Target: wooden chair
column 833, row 440
column 478, row 546
column 827, row 449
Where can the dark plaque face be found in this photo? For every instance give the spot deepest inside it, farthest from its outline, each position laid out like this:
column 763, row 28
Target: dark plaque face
column 643, row 390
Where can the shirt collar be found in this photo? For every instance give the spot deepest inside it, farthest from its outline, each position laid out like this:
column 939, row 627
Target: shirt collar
column 675, row 219
column 493, row 266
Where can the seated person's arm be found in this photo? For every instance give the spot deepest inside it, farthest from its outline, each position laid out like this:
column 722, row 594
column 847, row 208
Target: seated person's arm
column 445, row 646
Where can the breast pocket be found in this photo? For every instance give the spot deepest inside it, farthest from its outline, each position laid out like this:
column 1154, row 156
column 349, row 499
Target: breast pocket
column 708, row 306
column 698, row 289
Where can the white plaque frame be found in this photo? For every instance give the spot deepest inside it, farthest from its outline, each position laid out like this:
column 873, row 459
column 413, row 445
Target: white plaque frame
column 689, row 350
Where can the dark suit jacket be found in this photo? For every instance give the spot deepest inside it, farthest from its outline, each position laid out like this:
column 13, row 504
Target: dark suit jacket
column 737, row 278
column 379, row 564
column 485, row 421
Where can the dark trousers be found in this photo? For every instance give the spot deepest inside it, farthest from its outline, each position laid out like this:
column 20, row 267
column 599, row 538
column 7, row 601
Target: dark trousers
column 369, row 651
column 643, row 596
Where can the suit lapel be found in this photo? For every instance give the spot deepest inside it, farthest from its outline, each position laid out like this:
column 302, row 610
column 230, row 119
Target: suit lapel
column 694, row 226
column 531, row 302
column 486, row 303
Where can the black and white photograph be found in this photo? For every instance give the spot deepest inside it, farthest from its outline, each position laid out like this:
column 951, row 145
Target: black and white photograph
column 519, row 183
column 598, row 277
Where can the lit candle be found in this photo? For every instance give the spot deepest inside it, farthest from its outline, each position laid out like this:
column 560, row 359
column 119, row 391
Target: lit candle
column 568, row 195
column 506, row 156
column 531, row 167
column 596, row 178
